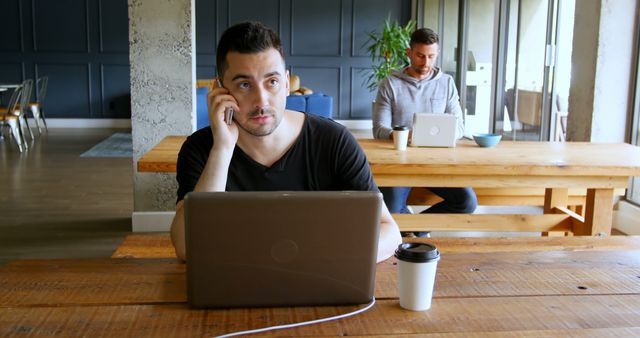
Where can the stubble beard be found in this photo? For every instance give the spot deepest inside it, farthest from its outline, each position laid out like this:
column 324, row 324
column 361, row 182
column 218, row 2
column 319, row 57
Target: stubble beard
column 263, row 130
column 423, row 70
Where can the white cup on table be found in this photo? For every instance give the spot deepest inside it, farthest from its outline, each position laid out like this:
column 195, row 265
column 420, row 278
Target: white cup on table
column 417, row 264
column 400, row 137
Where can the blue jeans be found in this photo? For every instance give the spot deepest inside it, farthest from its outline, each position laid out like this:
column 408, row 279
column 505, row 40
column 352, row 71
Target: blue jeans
column 455, row 200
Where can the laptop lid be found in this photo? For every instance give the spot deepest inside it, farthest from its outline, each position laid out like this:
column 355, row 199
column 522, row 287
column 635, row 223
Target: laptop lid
column 433, row 130
column 249, row 249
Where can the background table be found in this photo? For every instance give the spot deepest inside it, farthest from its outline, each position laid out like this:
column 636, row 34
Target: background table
column 9, row 86
column 556, row 167
column 6, row 87
column 570, row 286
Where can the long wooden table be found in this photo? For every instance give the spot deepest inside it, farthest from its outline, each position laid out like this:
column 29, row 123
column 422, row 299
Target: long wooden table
column 556, row 167
column 552, row 287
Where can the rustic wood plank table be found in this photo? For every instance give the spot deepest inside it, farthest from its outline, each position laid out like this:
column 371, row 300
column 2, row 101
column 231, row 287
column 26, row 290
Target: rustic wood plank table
column 579, row 286
column 556, row 167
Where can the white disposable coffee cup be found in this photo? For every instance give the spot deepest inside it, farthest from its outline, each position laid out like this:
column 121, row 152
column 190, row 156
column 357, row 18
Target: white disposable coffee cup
column 417, row 264
column 400, row 137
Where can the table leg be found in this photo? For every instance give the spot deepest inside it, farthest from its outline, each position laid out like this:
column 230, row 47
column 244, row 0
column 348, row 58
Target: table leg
column 555, row 197
column 579, row 208
column 598, row 213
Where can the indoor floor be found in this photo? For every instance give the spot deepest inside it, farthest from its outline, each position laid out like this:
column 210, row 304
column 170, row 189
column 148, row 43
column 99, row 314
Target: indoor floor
column 56, row 204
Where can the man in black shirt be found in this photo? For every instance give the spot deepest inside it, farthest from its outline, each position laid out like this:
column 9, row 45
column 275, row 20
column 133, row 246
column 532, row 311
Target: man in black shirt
column 267, row 147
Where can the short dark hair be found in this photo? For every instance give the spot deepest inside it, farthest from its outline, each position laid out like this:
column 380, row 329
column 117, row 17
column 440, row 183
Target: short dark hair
column 424, row 36
column 247, row 38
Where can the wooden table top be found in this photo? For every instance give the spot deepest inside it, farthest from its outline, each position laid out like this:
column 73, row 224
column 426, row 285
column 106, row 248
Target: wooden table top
column 586, row 286
column 506, row 159
column 158, row 245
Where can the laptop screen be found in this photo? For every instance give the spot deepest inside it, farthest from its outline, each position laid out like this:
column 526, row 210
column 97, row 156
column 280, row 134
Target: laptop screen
column 434, row 130
column 281, row 248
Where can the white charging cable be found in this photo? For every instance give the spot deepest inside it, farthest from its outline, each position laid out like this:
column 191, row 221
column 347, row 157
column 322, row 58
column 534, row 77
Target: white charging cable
column 309, row 322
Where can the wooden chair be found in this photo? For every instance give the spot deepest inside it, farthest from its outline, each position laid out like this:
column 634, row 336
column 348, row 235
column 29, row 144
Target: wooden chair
column 10, row 117
column 23, row 107
column 529, row 107
column 27, row 87
column 37, row 108
column 560, row 134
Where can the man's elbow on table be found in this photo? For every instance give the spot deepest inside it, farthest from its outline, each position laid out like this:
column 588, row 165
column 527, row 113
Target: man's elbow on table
column 177, row 232
column 387, row 245
column 389, row 236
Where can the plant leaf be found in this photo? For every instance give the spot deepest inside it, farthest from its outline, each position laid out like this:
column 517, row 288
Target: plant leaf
column 387, row 50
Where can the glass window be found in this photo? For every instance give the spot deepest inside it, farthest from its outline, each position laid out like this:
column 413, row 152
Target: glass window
column 634, row 192
column 480, row 57
column 518, row 66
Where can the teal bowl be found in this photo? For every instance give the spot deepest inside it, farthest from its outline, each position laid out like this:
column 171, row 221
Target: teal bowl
column 487, row 140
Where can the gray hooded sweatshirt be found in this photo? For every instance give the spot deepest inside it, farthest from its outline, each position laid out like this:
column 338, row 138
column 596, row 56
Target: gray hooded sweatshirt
column 400, row 96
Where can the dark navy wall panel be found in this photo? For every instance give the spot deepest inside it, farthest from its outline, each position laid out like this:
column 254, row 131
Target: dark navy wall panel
column 69, row 41
column 206, row 72
column 70, row 96
column 316, row 28
column 61, row 25
column 361, row 97
column 205, row 27
column 115, row 96
column 11, row 73
column 10, row 18
column 265, row 11
column 368, row 15
column 114, row 27
column 82, row 45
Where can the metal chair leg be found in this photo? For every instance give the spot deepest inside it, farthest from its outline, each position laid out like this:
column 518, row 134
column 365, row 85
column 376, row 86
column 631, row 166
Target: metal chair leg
column 44, row 121
column 36, row 117
column 17, row 133
column 25, row 124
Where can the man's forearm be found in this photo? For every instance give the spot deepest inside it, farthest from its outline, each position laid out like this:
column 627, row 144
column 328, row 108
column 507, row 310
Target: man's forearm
column 389, row 236
column 381, row 120
column 214, row 175
column 213, row 178
column 177, row 232
column 389, row 240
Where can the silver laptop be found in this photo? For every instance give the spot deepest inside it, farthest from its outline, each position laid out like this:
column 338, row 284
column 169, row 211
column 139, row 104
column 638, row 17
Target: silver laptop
column 248, row 249
column 433, row 130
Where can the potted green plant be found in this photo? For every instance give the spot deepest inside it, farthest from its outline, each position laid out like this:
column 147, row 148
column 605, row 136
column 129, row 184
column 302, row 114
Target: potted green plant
column 388, row 50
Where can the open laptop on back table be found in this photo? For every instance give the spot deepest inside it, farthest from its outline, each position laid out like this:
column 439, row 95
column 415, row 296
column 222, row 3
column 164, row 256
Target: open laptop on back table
column 249, row 249
column 434, row 130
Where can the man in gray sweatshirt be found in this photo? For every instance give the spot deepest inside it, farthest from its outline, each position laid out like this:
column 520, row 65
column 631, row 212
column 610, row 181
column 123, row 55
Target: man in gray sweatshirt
column 421, row 87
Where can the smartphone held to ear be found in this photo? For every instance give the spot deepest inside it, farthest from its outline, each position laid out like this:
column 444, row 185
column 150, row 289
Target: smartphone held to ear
column 228, row 112
column 228, row 115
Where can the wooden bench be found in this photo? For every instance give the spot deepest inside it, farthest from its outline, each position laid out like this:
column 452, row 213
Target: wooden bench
column 507, row 197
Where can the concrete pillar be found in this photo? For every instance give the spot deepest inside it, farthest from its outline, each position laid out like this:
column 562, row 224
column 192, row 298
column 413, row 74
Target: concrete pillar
column 600, row 97
column 162, row 55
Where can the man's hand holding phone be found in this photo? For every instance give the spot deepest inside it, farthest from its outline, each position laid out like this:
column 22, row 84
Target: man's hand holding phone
column 222, row 106
column 228, row 111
